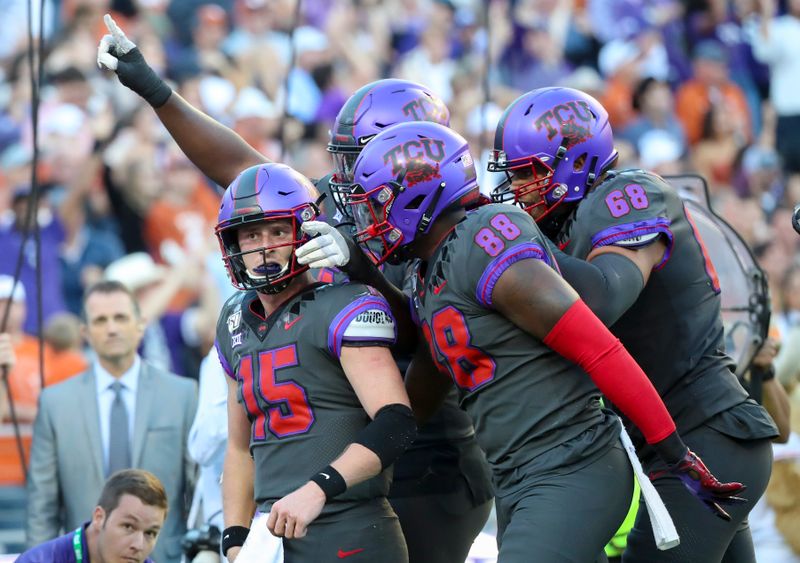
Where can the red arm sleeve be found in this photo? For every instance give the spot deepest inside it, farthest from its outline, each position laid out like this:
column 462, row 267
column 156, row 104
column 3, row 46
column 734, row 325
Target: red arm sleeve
column 580, row 337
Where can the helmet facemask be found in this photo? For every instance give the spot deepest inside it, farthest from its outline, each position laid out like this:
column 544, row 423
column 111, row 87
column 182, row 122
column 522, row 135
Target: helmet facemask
column 274, row 274
column 536, row 177
column 377, row 236
column 341, row 182
column 551, row 204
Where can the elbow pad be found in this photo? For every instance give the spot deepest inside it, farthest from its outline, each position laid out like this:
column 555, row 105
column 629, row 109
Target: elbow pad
column 609, row 284
column 390, row 433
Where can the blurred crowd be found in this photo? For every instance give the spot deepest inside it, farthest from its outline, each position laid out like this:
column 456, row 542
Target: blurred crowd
column 692, row 86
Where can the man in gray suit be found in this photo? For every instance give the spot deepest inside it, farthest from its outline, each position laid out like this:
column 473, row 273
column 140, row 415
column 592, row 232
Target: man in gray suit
column 121, row 413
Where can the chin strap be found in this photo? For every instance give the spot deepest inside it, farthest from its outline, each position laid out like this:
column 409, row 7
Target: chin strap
column 427, row 216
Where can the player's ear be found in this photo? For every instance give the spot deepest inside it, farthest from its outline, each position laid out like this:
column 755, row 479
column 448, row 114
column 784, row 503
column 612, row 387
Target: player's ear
column 98, row 517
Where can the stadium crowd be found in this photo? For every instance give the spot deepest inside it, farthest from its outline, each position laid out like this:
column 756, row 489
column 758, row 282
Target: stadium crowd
column 691, row 86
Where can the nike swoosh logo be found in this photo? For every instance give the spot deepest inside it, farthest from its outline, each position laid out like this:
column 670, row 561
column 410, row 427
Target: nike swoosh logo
column 289, row 324
column 342, row 553
column 325, row 475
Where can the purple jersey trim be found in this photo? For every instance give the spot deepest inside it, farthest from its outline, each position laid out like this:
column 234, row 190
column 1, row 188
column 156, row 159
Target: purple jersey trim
column 225, row 365
column 351, row 311
column 615, row 233
column 495, row 269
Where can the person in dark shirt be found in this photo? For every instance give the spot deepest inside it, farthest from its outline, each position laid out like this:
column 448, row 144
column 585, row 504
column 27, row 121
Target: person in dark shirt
column 125, row 524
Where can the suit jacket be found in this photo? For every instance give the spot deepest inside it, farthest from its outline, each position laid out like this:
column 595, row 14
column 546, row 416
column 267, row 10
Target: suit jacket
column 66, row 469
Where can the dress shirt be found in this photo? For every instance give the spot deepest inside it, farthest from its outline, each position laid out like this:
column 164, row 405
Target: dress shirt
column 105, row 396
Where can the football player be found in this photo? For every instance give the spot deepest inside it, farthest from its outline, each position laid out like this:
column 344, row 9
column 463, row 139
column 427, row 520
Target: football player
column 443, row 481
column 515, row 341
column 314, row 394
column 635, row 256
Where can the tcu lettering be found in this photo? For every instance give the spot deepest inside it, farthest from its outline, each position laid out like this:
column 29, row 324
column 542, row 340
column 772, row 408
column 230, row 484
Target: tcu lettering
column 433, row 149
column 423, row 109
column 561, row 114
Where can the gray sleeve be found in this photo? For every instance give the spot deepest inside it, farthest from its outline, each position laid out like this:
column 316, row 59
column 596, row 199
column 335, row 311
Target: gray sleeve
column 42, row 521
column 609, row 284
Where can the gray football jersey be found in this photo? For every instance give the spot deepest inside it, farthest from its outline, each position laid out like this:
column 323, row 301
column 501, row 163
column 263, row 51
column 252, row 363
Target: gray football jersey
column 674, row 329
column 302, row 408
column 533, row 410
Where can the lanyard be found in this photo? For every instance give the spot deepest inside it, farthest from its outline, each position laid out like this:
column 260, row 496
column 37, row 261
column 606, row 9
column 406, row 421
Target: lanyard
column 77, row 544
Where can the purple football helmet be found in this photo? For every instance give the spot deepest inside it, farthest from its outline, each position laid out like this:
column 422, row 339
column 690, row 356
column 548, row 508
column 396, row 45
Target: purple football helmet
column 558, row 139
column 369, row 111
column 404, row 179
column 266, row 192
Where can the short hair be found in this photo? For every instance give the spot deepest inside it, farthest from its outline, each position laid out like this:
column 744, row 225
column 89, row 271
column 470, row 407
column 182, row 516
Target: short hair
column 137, row 482
column 109, row 286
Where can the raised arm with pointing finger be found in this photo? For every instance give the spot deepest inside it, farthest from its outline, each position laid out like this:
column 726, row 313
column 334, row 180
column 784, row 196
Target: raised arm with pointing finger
column 218, row 151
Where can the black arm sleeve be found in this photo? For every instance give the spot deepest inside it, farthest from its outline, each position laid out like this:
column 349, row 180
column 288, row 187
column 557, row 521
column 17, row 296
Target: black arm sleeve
column 609, row 284
column 389, row 434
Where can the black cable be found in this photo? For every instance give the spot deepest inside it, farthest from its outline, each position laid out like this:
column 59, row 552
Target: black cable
column 36, row 193
column 287, row 78
column 487, row 92
column 36, row 67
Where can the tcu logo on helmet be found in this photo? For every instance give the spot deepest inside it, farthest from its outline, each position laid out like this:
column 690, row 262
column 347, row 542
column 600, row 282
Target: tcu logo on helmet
column 567, row 119
column 425, row 109
column 433, row 149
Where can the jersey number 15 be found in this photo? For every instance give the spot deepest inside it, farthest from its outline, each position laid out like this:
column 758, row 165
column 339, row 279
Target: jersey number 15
column 288, row 411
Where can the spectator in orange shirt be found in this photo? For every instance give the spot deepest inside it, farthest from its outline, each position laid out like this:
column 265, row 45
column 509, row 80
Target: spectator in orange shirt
column 24, row 379
column 711, row 83
column 185, row 211
column 63, row 354
column 178, row 223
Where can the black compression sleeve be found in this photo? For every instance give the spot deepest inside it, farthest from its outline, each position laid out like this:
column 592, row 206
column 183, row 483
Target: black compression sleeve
column 609, row 284
column 389, row 434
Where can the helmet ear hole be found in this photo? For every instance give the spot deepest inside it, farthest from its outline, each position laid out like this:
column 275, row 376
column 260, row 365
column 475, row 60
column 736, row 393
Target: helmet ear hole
column 579, row 163
column 416, row 202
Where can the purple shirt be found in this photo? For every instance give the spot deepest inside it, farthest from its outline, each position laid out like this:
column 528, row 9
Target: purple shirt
column 59, row 550
column 52, row 236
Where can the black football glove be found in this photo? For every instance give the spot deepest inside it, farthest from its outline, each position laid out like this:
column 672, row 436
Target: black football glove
column 118, row 53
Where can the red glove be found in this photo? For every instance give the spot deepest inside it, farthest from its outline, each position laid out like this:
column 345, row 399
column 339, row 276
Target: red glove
column 699, row 480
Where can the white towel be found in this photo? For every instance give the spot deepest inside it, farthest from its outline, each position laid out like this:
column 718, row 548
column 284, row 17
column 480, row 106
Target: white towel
column 261, row 546
column 664, row 532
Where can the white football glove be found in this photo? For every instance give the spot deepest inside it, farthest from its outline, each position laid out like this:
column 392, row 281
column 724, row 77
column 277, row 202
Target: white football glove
column 328, row 250
column 117, row 39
